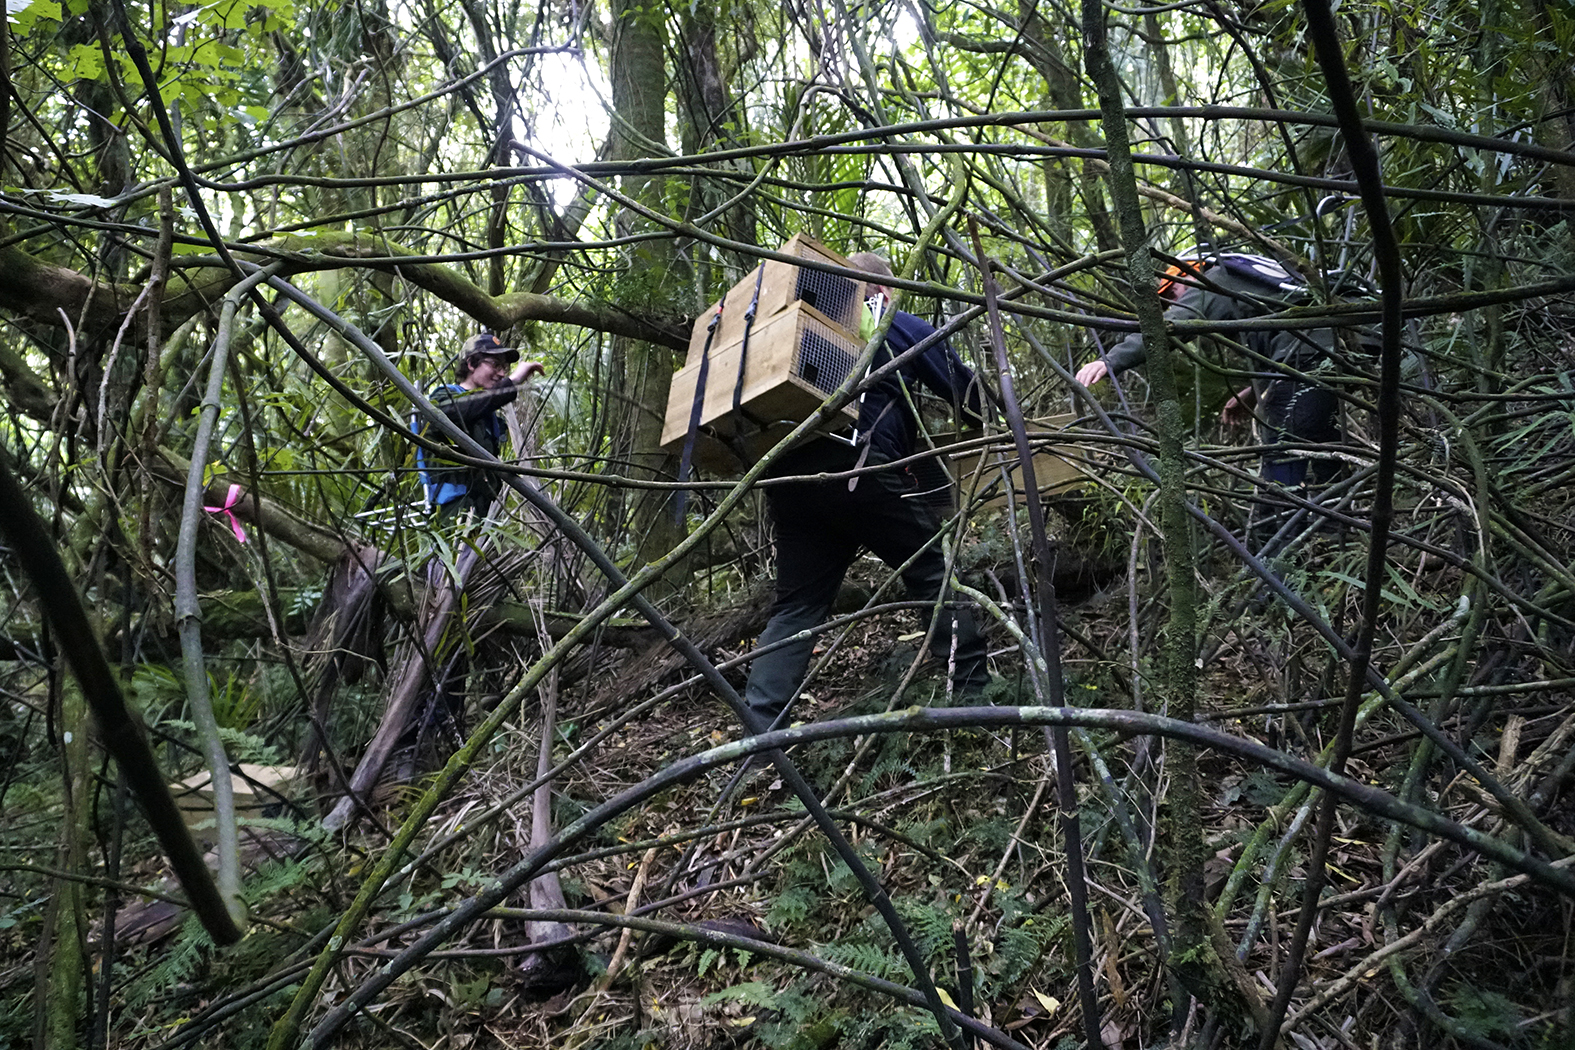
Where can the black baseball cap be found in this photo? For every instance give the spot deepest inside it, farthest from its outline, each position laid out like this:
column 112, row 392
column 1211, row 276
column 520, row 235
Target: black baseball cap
column 487, row 343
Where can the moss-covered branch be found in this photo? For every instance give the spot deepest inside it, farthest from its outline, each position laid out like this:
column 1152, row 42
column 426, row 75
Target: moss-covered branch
column 50, row 294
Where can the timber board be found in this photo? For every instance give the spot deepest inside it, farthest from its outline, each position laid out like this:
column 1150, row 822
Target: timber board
column 794, row 360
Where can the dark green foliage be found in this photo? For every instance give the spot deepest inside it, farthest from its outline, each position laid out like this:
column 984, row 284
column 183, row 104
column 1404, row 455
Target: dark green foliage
column 16, row 1020
column 1259, row 787
column 802, row 1021
column 176, row 965
column 792, row 906
column 904, row 1028
column 890, row 765
column 842, row 880
column 929, row 924
column 630, row 1040
column 866, row 958
column 991, row 833
column 751, row 993
column 1485, row 1013
column 249, row 1030
column 929, row 831
column 1486, row 473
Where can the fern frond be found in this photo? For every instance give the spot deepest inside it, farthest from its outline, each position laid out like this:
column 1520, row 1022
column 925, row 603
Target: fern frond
column 750, row 993
column 177, row 966
column 865, row 957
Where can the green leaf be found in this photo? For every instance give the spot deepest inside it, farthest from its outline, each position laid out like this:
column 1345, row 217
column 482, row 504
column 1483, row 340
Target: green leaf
column 24, row 14
column 86, row 62
column 1361, row 586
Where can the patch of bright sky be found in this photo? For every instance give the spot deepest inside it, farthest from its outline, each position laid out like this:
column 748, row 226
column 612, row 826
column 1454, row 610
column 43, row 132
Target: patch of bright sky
column 905, row 31
column 566, row 113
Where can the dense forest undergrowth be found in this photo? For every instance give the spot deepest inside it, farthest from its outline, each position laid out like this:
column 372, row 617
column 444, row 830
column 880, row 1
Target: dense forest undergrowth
column 959, row 824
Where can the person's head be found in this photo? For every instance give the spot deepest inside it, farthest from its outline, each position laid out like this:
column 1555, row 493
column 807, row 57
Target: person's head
column 1185, row 270
column 483, row 361
column 869, row 262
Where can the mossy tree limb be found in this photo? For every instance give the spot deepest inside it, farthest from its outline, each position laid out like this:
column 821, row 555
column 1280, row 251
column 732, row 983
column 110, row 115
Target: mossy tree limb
column 39, row 290
column 1192, row 956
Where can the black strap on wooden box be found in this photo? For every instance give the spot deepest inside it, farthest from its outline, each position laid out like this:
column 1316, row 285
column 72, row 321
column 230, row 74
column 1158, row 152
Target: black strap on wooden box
column 686, row 458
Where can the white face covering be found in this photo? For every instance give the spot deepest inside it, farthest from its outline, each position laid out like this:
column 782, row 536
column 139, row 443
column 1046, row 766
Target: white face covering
column 874, row 306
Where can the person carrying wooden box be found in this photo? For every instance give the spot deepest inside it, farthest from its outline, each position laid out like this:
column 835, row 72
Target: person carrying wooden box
column 821, row 526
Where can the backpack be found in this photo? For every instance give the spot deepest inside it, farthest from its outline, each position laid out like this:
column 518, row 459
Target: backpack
column 1260, row 269
column 441, row 480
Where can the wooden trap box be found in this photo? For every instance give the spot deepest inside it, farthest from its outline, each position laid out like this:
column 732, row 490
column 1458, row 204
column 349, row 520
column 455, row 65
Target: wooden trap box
column 255, row 796
column 944, row 480
column 795, row 358
column 839, row 300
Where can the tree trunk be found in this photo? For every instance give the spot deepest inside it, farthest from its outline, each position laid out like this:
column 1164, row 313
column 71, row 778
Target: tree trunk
column 642, row 371
column 60, row 987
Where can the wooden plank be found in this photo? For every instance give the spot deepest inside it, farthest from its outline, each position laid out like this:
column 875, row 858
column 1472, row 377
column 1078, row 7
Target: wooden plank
column 716, row 456
column 252, row 794
column 1057, row 468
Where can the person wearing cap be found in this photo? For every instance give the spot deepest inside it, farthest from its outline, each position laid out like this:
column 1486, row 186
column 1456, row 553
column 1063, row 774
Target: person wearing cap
column 1292, row 411
column 821, row 526
column 484, row 382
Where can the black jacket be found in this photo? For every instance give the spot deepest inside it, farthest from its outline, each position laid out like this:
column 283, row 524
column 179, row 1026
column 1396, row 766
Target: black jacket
column 1220, row 295
column 886, row 420
column 476, row 413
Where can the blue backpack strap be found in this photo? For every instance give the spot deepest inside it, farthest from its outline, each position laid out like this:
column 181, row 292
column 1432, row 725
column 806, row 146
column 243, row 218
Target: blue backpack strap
column 437, row 492
column 418, row 426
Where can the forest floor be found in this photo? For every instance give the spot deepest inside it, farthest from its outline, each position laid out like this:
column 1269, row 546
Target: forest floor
column 960, row 828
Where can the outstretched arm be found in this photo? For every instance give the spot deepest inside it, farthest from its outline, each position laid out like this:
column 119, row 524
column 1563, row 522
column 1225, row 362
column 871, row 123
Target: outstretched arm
column 465, row 407
column 1191, row 301
column 525, row 369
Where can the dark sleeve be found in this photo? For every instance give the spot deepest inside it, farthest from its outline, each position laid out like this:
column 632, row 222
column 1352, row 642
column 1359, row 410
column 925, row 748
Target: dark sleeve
column 939, row 368
column 1194, row 303
column 1303, row 349
column 466, row 407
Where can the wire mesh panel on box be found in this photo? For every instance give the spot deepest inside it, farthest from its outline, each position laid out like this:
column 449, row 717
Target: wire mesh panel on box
column 839, row 298
column 776, row 286
column 794, row 359
column 823, row 360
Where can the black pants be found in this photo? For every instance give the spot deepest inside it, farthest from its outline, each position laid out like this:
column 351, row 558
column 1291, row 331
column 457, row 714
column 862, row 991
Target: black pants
column 1307, row 414
column 820, row 529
